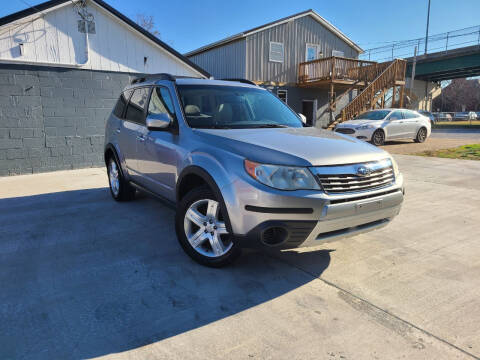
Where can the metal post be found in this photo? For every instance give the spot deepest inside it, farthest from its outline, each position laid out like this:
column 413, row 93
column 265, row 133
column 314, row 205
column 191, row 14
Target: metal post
column 428, row 23
column 446, row 45
column 414, row 65
column 478, row 42
column 392, row 50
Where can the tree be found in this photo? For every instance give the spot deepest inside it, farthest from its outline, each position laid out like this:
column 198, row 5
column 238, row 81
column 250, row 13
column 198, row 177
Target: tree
column 460, row 95
column 148, row 23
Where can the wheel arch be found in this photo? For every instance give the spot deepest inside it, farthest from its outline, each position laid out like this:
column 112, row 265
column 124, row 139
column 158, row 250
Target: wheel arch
column 197, row 176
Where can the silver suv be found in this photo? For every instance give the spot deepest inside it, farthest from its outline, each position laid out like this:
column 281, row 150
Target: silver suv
column 242, row 169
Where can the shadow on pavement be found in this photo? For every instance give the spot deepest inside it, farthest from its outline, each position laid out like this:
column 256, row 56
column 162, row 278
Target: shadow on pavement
column 83, row 276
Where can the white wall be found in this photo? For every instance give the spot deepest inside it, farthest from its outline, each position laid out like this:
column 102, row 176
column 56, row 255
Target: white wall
column 54, row 39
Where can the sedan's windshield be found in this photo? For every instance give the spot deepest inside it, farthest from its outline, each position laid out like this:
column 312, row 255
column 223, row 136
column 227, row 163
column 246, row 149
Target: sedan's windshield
column 234, row 107
column 373, row 115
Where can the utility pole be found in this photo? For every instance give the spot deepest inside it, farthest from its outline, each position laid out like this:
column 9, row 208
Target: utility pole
column 428, row 23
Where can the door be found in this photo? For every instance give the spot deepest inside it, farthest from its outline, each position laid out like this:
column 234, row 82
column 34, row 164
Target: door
column 309, row 109
column 131, row 130
column 411, row 123
column 395, row 128
column 157, row 154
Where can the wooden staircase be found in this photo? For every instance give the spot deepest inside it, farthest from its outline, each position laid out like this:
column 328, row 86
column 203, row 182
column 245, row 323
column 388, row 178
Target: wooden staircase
column 380, row 78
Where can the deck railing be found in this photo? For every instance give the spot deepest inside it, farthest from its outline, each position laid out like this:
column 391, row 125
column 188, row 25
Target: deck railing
column 337, row 68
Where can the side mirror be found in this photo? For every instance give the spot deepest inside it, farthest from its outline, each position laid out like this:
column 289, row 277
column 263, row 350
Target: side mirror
column 303, row 118
column 158, row 121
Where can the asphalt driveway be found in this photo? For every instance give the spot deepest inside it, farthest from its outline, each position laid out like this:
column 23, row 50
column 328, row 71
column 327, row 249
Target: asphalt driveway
column 82, row 277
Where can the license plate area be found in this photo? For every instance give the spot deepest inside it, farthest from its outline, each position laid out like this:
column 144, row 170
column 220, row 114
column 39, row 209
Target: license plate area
column 368, row 206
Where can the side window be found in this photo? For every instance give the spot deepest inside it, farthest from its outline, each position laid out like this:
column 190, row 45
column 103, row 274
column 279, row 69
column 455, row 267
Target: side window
column 136, row 106
column 121, row 104
column 407, row 114
column 161, row 102
column 396, row 115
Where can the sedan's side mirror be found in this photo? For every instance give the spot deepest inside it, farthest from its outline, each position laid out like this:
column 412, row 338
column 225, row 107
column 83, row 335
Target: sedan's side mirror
column 303, row 118
column 158, row 121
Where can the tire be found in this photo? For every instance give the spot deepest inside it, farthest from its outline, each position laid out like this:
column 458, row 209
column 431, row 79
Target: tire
column 421, row 135
column 378, row 138
column 120, row 189
column 206, row 225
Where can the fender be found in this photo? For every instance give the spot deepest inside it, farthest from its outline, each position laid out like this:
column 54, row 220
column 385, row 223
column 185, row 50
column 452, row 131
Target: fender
column 201, row 172
column 115, row 152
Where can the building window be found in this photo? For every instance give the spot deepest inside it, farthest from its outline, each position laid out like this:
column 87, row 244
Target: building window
column 338, row 53
column 276, row 52
column 282, row 95
column 313, row 52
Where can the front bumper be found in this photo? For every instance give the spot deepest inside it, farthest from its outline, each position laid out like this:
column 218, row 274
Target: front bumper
column 364, row 134
column 311, row 217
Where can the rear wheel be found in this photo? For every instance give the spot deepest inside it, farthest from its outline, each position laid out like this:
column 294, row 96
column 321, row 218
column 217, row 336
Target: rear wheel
column 201, row 226
column 378, row 137
column 421, row 135
column 120, row 189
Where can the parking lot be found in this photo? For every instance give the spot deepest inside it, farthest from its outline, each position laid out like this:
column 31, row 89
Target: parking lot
column 85, row 277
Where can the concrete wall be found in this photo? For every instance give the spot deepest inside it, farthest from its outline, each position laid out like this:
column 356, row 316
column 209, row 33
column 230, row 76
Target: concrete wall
column 418, row 100
column 54, row 118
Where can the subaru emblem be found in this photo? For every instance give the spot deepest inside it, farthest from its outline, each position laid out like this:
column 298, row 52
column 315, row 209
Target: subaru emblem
column 363, row 171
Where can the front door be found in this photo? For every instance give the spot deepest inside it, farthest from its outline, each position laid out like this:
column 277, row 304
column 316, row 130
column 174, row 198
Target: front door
column 309, row 109
column 157, row 154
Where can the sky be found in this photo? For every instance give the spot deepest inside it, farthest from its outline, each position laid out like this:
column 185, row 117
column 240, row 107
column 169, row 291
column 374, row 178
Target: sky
column 187, row 24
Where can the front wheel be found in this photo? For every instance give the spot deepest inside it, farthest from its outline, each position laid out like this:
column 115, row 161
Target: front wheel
column 378, row 137
column 421, row 135
column 201, row 226
column 120, row 189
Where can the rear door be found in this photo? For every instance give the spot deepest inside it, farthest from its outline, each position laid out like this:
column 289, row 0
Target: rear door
column 157, row 154
column 130, row 132
column 411, row 123
column 394, row 128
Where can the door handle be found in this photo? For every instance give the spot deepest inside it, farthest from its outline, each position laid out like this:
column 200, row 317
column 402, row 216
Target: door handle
column 117, row 130
column 140, row 138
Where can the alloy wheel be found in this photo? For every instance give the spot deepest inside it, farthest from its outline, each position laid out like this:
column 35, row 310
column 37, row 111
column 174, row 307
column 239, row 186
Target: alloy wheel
column 205, row 228
column 113, row 176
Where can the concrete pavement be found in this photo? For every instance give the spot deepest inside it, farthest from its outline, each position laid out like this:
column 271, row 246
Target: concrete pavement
column 84, row 277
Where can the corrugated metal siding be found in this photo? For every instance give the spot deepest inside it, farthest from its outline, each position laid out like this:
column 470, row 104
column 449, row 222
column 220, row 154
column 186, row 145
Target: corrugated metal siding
column 226, row 61
column 295, row 35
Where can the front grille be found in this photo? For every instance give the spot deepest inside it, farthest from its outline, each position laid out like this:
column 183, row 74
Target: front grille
column 351, row 178
column 345, row 130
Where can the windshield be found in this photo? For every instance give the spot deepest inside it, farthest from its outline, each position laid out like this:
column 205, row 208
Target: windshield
column 373, row 115
column 232, row 107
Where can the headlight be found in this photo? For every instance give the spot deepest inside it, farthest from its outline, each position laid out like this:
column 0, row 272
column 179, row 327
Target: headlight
column 282, row 177
column 365, row 127
column 395, row 167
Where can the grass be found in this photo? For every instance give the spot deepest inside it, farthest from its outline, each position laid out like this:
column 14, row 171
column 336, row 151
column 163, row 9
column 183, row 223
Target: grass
column 467, row 152
column 458, row 124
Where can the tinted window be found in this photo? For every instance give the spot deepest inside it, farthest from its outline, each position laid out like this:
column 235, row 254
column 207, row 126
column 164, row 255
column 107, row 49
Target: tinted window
column 407, row 114
column 161, row 102
column 396, row 115
column 136, row 106
column 212, row 106
column 121, row 103
column 373, row 115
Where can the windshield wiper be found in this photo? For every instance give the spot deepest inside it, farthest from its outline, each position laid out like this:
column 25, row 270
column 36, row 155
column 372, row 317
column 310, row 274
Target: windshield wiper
column 271, row 126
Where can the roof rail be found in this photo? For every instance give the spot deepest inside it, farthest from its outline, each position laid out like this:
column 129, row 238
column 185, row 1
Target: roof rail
column 161, row 76
column 244, row 81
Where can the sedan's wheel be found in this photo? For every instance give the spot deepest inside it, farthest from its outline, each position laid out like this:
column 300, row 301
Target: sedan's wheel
column 201, row 226
column 378, row 137
column 120, row 189
column 421, row 135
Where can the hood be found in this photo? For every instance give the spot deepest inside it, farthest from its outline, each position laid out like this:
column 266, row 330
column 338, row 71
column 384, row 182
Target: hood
column 292, row 146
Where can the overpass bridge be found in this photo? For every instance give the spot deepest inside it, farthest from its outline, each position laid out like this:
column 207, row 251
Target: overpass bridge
column 446, row 65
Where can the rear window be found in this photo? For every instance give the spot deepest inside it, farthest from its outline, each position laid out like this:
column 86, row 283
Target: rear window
column 119, row 109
